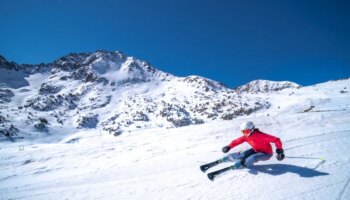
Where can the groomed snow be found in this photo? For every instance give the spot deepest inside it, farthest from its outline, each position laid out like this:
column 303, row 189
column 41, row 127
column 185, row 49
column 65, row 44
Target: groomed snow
column 160, row 163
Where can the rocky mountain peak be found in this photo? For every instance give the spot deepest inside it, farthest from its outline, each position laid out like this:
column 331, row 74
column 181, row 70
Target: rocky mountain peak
column 76, row 60
column 108, row 67
column 6, row 64
column 205, row 83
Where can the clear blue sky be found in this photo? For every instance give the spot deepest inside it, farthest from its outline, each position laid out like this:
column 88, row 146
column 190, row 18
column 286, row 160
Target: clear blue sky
column 305, row 41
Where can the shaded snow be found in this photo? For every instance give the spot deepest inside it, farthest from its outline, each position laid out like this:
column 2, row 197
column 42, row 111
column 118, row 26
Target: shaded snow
column 13, row 79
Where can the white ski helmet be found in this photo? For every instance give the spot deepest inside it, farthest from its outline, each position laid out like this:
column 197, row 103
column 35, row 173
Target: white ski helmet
column 248, row 125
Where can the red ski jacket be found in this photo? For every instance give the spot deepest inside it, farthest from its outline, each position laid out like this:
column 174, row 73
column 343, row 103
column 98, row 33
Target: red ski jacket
column 259, row 141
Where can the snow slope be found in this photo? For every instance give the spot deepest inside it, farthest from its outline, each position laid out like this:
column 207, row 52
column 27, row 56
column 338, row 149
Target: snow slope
column 163, row 163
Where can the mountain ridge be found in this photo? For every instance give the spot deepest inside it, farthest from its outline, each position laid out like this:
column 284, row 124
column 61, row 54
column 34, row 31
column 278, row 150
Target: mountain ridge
column 112, row 92
column 261, row 86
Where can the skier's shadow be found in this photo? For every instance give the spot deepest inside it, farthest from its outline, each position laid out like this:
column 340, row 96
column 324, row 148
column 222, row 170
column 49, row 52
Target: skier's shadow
column 279, row 169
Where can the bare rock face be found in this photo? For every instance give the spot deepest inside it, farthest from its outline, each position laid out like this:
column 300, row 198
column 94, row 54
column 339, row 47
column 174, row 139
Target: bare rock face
column 88, row 121
column 7, row 130
column 5, row 95
column 47, row 88
column 42, row 125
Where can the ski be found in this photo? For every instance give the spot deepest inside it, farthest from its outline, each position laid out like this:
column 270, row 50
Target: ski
column 205, row 167
column 212, row 175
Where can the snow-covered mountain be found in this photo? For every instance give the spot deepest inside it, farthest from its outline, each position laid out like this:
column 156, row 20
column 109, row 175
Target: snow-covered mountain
column 258, row 86
column 109, row 91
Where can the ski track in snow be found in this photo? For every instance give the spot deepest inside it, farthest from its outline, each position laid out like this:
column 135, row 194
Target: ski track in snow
column 346, row 186
column 311, row 140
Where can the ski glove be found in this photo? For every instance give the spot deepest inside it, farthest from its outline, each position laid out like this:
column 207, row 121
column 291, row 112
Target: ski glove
column 226, row 149
column 280, row 154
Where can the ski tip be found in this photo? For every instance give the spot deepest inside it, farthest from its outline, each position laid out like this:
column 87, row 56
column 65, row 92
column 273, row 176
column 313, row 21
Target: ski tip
column 203, row 169
column 211, row 177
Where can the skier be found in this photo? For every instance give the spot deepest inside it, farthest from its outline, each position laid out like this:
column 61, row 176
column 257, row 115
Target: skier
column 261, row 149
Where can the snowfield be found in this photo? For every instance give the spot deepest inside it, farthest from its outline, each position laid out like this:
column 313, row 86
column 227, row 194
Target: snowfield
column 163, row 163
